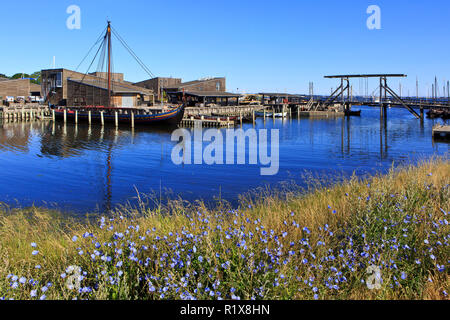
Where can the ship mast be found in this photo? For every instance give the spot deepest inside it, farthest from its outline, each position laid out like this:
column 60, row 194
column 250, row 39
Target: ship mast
column 108, row 34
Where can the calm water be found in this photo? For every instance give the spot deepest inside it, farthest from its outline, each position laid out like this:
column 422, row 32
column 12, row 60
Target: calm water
column 81, row 169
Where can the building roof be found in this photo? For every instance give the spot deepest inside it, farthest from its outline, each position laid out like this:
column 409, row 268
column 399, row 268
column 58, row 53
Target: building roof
column 117, row 87
column 215, row 94
column 192, row 83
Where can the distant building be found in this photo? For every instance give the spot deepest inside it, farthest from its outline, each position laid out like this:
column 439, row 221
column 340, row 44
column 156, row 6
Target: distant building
column 66, row 87
column 204, row 98
column 157, row 85
column 172, row 85
column 118, row 77
column 18, row 88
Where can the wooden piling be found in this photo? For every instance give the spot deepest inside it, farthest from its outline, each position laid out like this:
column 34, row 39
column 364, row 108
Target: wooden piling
column 102, row 118
column 132, row 119
column 89, row 117
column 116, row 118
column 65, row 116
column 76, row 116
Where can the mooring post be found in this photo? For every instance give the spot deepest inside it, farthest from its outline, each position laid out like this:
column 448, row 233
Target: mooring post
column 76, row 116
column 132, row 119
column 116, row 118
column 240, row 116
column 264, row 114
column 89, row 117
column 381, row 98
column 253, row 116
column 273, row 113
column 53, row 115
column 65, row 115
column 102, row 118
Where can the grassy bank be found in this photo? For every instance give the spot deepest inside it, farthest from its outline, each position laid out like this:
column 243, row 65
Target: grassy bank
column 289, row 245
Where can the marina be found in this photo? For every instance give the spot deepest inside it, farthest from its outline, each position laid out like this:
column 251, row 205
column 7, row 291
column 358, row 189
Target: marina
column 105, row 165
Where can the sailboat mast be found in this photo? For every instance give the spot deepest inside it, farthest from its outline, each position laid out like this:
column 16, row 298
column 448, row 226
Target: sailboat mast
column 108, row 32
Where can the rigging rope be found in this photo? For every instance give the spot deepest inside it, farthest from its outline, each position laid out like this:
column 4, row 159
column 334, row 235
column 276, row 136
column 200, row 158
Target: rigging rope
column 132, row 53
column 102, row 36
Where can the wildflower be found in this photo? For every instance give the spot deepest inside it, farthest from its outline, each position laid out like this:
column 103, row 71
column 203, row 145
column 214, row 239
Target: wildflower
column 35, row 252
column 33, row 293
column 200, row 259
column 404, row 276
column 33, row 244
column 74, row 238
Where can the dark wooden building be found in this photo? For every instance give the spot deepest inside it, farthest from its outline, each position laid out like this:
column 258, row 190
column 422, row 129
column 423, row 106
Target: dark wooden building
column 18, row 88
column 95, row 93
column 71, row 88
column 205, row 98
column 172, row 85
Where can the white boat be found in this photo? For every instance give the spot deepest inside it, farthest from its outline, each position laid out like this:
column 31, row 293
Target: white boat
column 270, row 114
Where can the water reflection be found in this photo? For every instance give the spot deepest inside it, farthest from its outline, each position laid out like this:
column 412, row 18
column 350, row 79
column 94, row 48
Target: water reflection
column 82, row 167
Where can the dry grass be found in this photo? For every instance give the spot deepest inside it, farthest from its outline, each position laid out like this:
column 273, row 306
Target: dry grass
column 351, row 209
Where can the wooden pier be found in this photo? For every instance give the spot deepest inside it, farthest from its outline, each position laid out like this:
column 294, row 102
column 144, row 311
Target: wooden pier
column 24, row 113
column 207, row 123
column 441, row 132
column 223, row 111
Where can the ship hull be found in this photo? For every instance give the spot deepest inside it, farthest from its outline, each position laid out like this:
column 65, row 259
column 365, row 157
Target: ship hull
column 172, row 117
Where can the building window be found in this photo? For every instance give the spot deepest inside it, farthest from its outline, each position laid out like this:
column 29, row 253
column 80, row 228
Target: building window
column 59, row 80
column 218, row 86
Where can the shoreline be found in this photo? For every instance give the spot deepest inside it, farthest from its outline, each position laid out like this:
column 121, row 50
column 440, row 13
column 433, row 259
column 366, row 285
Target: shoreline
column 292, row 245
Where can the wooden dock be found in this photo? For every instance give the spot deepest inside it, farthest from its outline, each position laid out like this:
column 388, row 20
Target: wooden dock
column 441, row 132
column 207, row 123
column 24, row 113
column 222, row 110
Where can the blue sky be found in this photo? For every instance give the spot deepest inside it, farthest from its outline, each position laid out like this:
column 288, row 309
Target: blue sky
column 258, row 45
